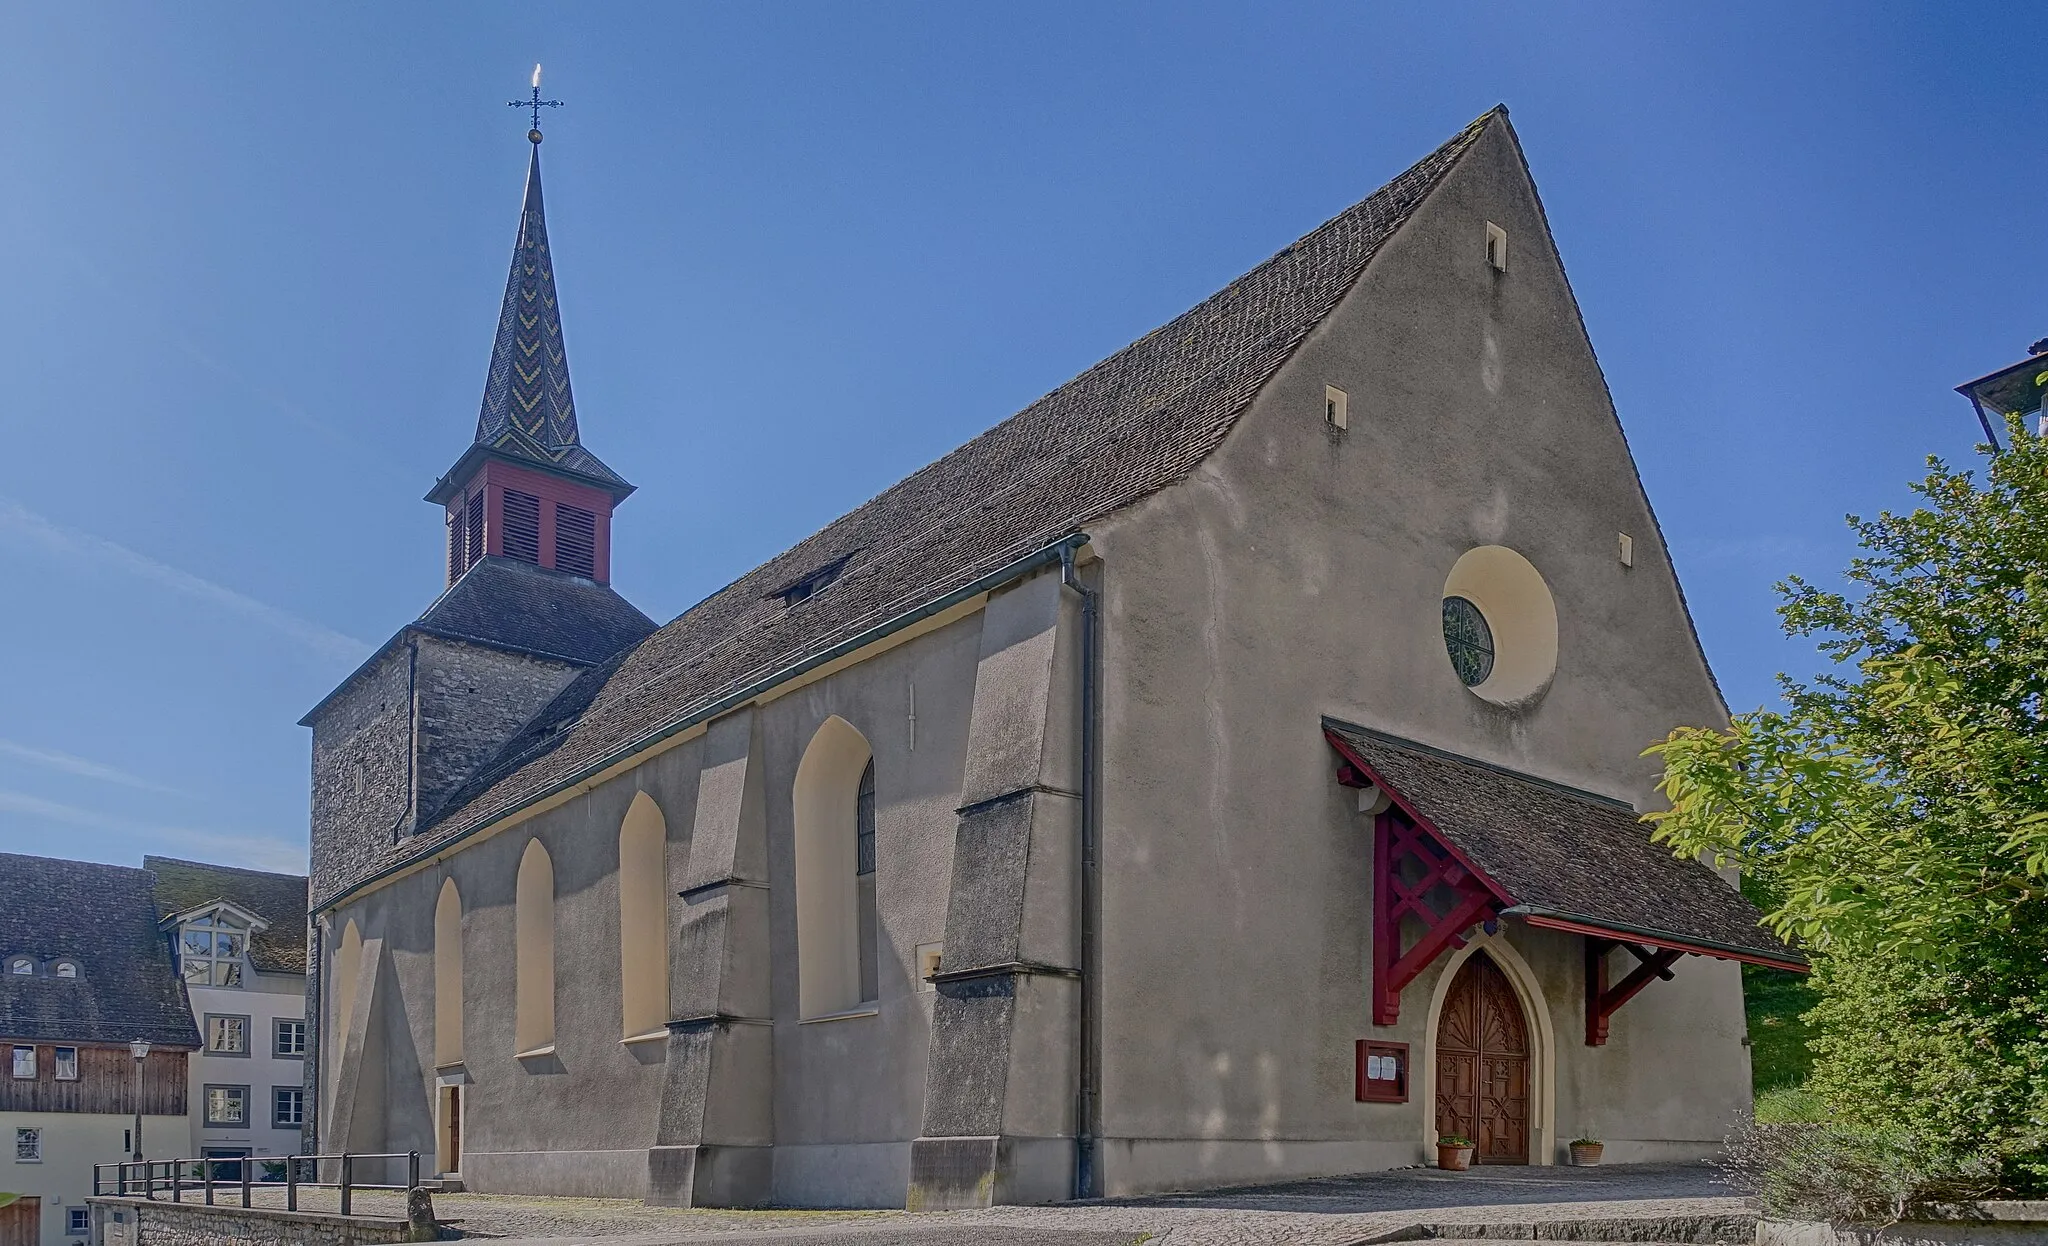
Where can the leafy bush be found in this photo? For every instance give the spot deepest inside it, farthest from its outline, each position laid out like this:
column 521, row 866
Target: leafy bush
column 1892, row 818
column 1830, row 1171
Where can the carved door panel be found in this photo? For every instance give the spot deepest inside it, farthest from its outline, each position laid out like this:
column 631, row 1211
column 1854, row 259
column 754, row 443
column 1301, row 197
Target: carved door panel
column 1457, row 1061
column 1482, row 1064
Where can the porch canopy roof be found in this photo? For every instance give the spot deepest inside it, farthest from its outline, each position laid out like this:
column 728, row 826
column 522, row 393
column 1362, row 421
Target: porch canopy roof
column 1559, row 857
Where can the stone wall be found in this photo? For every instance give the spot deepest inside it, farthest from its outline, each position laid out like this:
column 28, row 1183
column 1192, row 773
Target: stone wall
column 147, row 1222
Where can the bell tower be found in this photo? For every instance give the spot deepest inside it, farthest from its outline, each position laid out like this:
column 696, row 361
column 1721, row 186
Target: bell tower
column 526, row 489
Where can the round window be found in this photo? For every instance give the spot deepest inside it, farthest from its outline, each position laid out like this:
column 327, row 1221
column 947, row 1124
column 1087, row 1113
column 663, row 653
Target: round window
column 1469, row 640
column 1500, row 626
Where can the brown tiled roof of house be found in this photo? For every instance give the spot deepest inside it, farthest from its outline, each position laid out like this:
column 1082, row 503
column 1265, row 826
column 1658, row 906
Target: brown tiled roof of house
column 103, row 918
column 279, row 899
column 1131, row 425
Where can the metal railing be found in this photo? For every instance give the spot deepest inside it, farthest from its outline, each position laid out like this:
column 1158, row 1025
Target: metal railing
column 178, row 1177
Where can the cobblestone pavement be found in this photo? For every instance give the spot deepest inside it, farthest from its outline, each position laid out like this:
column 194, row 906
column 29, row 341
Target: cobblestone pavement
column 1330, row 1211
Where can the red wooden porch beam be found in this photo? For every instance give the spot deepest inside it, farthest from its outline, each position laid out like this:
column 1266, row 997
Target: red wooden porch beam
column 1602, row 1000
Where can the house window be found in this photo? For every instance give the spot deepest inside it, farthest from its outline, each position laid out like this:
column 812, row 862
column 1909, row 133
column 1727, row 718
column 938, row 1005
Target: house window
column 67, row 968
column 28, row 1146
column 77, row 1221
column 226, row 1035
column 227, row 1105
column 1336, row 407
column 67, row 1064
column 21, row 965
column 289, row 1038
column 210, row 951
column 287, row 1107
column 25, row 1062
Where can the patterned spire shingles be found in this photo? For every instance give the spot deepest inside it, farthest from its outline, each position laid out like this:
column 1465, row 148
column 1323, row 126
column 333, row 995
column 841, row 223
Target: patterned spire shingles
column 528, row 408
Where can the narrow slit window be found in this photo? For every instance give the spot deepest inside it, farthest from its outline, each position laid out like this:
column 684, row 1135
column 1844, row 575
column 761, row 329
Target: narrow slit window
column 864, row 884
column 1496, row 247
column 1336, row 407
column 522, row 526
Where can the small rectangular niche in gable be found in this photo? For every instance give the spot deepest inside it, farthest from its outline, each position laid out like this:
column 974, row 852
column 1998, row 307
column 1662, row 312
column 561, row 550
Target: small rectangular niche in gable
column 1496, row 247
column 1336, row 407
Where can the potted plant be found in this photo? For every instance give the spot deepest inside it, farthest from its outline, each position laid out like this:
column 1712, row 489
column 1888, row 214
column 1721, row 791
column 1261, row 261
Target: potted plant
column 1586, row 1152
column 1453, row 1152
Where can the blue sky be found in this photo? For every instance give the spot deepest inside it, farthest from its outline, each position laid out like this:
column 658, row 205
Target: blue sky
column 255, row 256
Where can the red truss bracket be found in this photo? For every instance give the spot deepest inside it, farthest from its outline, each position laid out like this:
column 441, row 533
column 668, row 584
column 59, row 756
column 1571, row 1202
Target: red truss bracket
column 1415, row 875
column 1420, row 881
column 1602, row 1000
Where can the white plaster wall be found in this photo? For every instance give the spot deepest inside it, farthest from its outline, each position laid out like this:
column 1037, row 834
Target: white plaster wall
column 1298, row 572
column 267, row 997
column 72, row 1143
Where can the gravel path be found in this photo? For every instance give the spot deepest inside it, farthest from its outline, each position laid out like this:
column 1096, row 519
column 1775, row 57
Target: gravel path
column 1331, row 1211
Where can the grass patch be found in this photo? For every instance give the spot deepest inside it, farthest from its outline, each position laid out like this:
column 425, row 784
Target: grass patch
column 1775, row 1000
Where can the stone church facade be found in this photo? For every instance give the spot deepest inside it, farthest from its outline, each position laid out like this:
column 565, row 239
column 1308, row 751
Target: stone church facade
column 1224, row 769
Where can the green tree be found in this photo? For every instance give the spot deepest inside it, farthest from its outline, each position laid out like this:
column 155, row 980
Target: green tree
column 1893, row 815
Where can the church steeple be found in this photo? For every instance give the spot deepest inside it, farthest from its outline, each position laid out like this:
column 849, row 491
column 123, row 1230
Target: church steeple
column 526, row 488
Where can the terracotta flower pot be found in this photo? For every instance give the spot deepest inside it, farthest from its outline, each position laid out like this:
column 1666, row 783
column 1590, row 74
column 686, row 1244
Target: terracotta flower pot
column 1453, row 1158
column 1586, row 1154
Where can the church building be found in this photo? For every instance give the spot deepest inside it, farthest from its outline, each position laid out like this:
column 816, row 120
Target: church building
column 1225, row 769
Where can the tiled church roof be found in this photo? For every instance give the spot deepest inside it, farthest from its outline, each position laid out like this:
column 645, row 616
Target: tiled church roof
column 1127, row 427
column 1561, row 852
column 279, row 899
column 104, row 917
column 510, row 604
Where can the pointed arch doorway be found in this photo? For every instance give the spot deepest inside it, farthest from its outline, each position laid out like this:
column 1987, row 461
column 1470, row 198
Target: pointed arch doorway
column 1483, row 1063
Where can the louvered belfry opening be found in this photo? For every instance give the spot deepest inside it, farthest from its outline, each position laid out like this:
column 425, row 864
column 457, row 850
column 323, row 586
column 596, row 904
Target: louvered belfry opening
column 575, row 541
column 476, row 528
column 522, row 526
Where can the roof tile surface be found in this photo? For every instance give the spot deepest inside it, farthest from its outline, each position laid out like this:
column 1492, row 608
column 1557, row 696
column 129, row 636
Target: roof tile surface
column 104, row 917
column 1557, row 848
column 1131, row 425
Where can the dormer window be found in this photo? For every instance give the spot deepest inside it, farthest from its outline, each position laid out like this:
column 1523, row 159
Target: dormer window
column 66, row 969
column 210, row 950
column 812, row 582
column 21, row 965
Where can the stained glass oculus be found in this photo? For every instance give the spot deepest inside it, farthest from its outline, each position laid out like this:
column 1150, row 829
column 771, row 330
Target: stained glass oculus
column 1469, row 640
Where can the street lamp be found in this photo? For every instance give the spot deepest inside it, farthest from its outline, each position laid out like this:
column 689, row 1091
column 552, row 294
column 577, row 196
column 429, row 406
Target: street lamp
column 140, row 1050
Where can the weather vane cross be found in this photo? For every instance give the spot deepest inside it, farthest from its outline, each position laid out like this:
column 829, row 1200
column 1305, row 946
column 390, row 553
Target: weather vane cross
column 536, row 104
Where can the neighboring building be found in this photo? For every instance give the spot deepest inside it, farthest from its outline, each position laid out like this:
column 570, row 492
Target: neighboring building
column 2015, row 389
column 239, row 937
column 83, row 974
column 1223, row 769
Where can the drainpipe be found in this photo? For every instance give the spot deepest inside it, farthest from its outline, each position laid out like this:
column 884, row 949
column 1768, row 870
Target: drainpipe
column 1085, row 1100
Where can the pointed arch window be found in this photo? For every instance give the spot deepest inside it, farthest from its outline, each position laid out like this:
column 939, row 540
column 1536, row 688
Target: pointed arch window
column 533, row 953
column 864, row 881
column 643, row 919
column 448, row 976
column 834, row 805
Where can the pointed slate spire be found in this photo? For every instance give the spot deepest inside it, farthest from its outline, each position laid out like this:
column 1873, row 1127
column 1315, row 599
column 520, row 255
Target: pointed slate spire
column 528, row 385
column 529, row 411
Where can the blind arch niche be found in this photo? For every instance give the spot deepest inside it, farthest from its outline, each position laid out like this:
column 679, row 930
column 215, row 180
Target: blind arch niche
column 826, row 807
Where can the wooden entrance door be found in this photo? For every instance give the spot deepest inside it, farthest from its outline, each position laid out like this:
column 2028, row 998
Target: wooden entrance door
column 21, row 1222
column 451, row 1129
column 1482, row 1064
